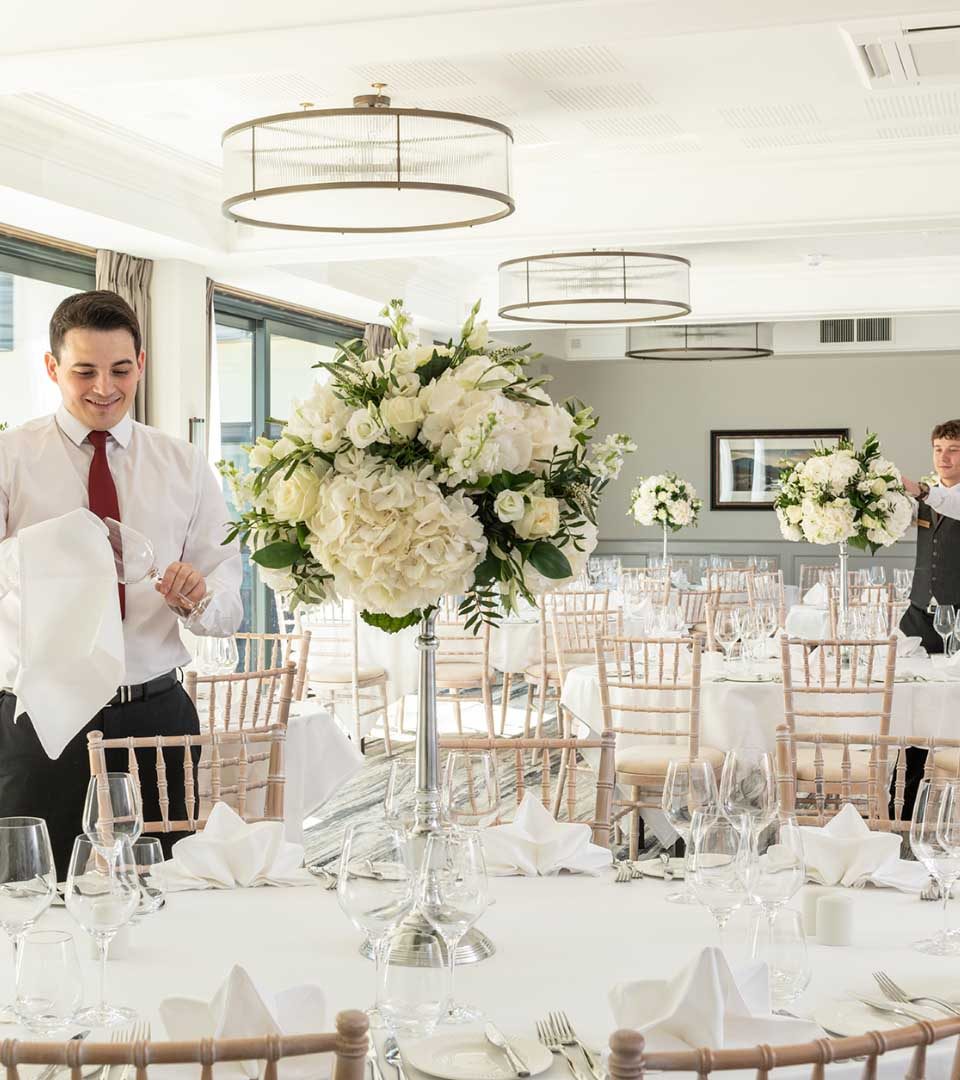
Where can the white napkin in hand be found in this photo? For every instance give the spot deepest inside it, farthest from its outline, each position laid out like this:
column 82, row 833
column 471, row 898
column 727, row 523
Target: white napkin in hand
column 71, row 638
column 705, row 1005
column 240, row 1010
column 535, row 844
column 817, row 596
column 229, row 853
column 846, row 852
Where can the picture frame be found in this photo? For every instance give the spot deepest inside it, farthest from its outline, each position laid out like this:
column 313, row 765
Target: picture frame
column 745, row 464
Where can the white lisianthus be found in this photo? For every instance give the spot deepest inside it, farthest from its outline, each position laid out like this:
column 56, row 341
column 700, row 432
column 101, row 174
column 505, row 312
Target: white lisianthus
column 402, row 415
column 296, row 499
column 540, row 519
column 406, row 384
column 262, row 453
column 364, row 427
column 283, row 448
column 509, row 506
column 479, row 336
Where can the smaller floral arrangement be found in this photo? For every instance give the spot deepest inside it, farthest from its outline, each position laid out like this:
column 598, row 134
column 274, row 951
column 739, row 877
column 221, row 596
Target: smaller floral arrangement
column 665, row 500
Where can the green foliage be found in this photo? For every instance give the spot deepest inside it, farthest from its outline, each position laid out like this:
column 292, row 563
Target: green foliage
column 391, row 624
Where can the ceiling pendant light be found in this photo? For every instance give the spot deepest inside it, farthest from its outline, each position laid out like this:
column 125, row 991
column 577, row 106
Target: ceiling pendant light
column 723, row 341
column 591, row 287
column 369, row 169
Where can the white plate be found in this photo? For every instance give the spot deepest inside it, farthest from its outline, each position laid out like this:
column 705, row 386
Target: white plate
column 750, row 678
column 654, row 868
column 852, row 1018
column 468, row 1056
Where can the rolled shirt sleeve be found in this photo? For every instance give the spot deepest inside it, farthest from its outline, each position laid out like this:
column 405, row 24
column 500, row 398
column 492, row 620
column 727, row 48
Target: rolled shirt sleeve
column 945, row 500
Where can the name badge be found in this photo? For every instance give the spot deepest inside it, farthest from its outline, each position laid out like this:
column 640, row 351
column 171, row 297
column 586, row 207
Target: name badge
column 922, row 523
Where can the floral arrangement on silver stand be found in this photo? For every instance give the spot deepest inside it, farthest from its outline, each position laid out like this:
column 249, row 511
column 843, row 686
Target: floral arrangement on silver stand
column 665, row 500
column 425, row 472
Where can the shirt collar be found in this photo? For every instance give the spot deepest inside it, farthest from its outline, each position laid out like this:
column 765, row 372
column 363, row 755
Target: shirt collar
column 76, row 431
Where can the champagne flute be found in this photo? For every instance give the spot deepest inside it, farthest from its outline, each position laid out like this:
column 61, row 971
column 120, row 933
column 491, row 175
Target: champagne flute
column 136, row 559
column 28, row 882
column 718, row 863
column 471, row 788
column 452, row 896
column 689, row 786
column 102, row 896
column 926, row 843
column 945, row 622
column 112, row 811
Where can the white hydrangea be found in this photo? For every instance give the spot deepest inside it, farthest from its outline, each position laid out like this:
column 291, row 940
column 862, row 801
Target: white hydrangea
column 319, row 420
column 828, row 524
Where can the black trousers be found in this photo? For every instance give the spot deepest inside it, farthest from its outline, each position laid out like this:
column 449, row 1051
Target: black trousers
column 916, row 623
column 33, row 785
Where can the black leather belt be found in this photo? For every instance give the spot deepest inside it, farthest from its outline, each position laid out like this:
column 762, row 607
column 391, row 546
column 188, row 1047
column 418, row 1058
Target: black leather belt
column 141, row 691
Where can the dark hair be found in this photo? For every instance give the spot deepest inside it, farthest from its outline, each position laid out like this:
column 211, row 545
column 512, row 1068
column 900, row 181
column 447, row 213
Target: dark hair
column 98, row 309
column 949, row 429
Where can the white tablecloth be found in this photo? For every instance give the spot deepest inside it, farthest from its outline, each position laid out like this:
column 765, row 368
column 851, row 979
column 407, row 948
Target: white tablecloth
column 807, row 622
column 734, row 713
column 561, row 944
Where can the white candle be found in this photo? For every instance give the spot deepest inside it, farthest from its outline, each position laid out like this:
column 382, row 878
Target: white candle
column 809, row 898
column 835, row 919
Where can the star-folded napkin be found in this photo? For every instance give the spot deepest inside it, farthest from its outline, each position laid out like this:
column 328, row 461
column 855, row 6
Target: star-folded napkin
column 537, row 845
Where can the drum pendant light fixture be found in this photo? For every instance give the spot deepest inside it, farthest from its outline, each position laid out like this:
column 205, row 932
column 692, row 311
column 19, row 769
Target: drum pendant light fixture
column 594, row 287
column 369, row 169
column 723, row 341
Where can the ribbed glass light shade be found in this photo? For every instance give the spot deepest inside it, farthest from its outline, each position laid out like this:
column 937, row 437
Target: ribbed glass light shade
column 733, row 341
column 595, row 287
column 367, row 170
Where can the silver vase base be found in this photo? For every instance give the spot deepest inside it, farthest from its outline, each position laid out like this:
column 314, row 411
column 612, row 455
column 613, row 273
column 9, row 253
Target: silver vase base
column 410, row 945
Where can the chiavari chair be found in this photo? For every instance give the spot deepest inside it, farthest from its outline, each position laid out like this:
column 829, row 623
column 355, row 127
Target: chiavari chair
column 865, row 597
column 650, row 691
column 816, row 574
column 647, row 582
column 243, row 700
column 463, row 662
column 766, row 587
column 262, row 651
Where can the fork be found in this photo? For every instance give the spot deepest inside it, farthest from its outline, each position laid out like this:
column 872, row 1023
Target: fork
column 126, row 1034
column 141, row 1033
column 374, row 1060
column 895, row 992
column 568, row 1037
column 551, row 1041
column 624, row 872
column 330, row 877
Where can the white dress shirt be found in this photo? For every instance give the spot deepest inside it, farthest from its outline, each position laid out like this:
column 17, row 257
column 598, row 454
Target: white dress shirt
column 945, row 500
column 166, row 490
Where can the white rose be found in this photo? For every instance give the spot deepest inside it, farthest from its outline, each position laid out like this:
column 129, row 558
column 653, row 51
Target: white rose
column 296, row 499
column 406, row 384
column 541, row 518
column 283, row 447
column 363, row 428
column 280, row 581
column 402, row 414
column 794, row 514
column 478, row 336
column 509, row 506
column 261, row 454
column 879, row 486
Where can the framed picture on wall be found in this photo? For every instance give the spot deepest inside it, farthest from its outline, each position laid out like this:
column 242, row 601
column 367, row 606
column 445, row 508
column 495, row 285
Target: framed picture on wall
column 745, row 465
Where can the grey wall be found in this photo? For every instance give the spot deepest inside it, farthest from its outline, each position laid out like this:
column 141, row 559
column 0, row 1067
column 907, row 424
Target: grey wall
column 670, row 409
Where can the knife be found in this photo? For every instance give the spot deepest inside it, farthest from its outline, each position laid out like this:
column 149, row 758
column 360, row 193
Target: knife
column 893, row 1007
column 495, row 1035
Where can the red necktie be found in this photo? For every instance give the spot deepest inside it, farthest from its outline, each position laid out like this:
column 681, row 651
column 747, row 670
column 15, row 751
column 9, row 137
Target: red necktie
column 102, row 492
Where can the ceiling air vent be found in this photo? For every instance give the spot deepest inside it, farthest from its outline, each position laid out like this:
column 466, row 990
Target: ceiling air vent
column 836, row 331
column 874, row 328
column 891, row 53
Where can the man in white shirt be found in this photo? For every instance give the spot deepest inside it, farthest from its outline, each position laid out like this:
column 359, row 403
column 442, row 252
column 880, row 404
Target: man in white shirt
column 90, row 454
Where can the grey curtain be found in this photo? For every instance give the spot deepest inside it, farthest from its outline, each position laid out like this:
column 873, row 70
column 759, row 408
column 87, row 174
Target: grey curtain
column 378, row 338
column 211, row 379
column 129, row 277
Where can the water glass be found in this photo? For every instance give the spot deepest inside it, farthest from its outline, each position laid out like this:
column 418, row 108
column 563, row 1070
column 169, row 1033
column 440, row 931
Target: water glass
column 748, row 785
column 689, row 786
column 102, row 895
column 452, row 895
column 719, row 854
column 788, row 962
column 412, row 999
column 28, row 882
column 400, row 800
column 112, row 810
column 933, row 808
column 945, row 622
column 775, row 873
column 49, row 984
column 471, row 788
column 902, row 583
column 148, row 857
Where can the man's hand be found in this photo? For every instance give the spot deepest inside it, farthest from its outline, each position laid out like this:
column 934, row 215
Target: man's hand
column 182, row 582
column 911, row 487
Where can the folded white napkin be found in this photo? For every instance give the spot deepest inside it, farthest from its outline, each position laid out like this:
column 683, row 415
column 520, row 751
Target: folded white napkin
column 71, row 657
column 239, row 1009
column 818, row 596
column 909, row 646
column 679, row 579
column 229, row 853
column 706, row 1005
column 535, row 844
column 846, row 852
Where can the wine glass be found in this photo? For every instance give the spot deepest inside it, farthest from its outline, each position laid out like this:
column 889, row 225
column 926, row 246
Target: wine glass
column 375, row 884
column 719, row 852
column 927, row 846
column 216, row 655
column 945, row 622
column 102, row 896
column 775, row 871
column 28, row 882
column 112, row 810
column 452, row 896
column 748, row 785
column 689, row 786
column 726, row 629
column 400, row 800
column 902, row 583
column 471, row 788
column 49, row 985
column 148, row 857
column 136, row 559
column 876, row 575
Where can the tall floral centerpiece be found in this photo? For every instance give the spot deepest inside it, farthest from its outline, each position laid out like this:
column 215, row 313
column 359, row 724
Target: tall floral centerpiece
column 845, row 496
column 428, row 471
column 665, row 500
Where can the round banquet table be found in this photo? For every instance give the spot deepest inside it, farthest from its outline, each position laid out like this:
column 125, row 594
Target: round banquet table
column 562, row 943
column 737, row 711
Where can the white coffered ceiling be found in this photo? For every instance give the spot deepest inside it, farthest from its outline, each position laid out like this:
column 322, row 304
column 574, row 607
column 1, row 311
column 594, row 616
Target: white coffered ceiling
column 741, row 134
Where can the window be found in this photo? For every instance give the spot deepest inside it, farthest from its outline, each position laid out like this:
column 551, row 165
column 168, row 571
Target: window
column 34, row 278
column 265, row 359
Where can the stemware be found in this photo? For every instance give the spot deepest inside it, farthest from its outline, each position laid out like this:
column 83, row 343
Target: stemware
column 28, row 883
column 788, row 962
column 877, row 575
column 748, row 785
column 136, row 559
column 452, row 896
column 216, row 655
column 726, row 629
column 719, row 853
column 471, row 788
column 49, row 985
column 148, row 858
column 112, row 810
column 775, row 872
column 102, row 895
column 375, row 884
column 928, row 848
column 411, row 998
column 689, row 786
column 400, row 800
column 902, row 583
column 945, row 622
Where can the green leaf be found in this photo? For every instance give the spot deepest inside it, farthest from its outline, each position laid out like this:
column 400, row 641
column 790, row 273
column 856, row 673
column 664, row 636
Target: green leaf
column 391, row 624
column 488, row 570
column 550, row 561
column 277, row 556
column 433, row 368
